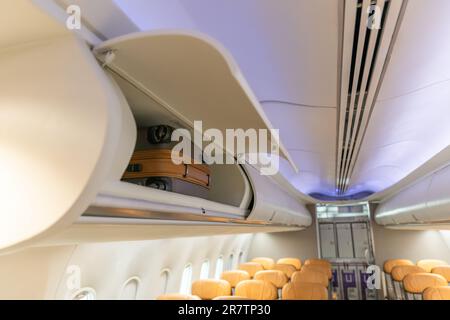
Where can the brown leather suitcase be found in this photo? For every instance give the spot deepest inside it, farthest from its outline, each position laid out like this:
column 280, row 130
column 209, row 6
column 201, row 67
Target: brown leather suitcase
column 154, row 168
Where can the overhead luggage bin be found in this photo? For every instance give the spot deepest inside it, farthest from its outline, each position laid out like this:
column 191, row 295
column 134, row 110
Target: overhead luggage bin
column 275, row 204
column 191, row 75
column 67, row 142
column 425, row 202
column 60, row 141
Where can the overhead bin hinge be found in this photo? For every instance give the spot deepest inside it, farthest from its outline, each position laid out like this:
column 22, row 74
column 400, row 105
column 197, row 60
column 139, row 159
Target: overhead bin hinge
column 108, row 57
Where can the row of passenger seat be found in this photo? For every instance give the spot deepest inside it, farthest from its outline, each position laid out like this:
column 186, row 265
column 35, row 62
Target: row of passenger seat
column 429, row 279
column 263, row 279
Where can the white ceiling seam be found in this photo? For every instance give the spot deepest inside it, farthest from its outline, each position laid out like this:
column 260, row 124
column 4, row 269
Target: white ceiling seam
column 295, row 104
column 437, row 83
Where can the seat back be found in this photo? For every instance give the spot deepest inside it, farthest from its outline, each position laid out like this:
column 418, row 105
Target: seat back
column 297, row 263
column 231, row 298
column 391, row 263
column 256, row 290
column 234, row 277
column 416, row 283
column 443, row 271
column 317, row 267
column 267, row 263
column 251, row 268
column 429, row 264
column 276, row 277
column 177, row 296
column 208, row 289
column 437, row 293
column 310, row 276
column 387, row 268
column 304, row 291
column 398, row 273
column 287, row 269
column 321, row 262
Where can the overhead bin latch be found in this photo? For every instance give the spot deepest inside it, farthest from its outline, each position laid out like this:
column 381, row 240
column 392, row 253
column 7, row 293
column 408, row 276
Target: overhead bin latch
column 108, row 57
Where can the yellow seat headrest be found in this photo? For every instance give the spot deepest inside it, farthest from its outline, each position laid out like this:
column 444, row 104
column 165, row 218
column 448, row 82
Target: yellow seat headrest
column 322, row 268
column 297, row 263
column 418, row 282
column 256, row 290
column 208, row 289
column 437, row 293
column 310, row 276
column 287, row 269
column 321, row 262
column 234, row 276
column 231, row 298
column 251, row 267
column 443, row 271
column 276, row 277
column 304, row 291
column 267, row 263
column 400, row 272
column 177, row 296
column 429, row 264
column 391, row 263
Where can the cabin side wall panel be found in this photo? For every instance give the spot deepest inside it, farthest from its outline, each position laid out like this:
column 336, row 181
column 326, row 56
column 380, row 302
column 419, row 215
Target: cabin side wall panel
column 408, row 244
column 51, row 272
column 297, row 244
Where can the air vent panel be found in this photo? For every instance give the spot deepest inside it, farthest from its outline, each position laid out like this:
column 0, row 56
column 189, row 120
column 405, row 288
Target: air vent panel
column 369, row 27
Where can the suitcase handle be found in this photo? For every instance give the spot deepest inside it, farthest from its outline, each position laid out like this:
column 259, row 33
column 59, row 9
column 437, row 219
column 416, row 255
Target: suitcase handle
column 186, row 171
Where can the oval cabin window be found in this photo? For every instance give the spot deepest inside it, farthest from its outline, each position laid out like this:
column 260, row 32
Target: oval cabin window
column 219, row 267
column 84, row 294
column 186, row 280
column 204, row 271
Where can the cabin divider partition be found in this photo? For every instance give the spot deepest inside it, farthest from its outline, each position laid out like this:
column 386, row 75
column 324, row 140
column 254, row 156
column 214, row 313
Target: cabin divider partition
column 345, row 239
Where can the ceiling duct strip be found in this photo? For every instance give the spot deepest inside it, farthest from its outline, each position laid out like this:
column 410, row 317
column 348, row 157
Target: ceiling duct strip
column 368, row 30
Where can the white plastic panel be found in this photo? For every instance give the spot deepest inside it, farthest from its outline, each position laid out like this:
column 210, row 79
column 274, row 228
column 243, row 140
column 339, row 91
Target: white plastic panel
column 309, row 135
column 61, row 124
column 438, row 197
column 327, row 240
column 426, row 201
column 402, row 207
column 344, row 239
column 402, row 135
column 270, row 40
column 64, row 127
column 24, row 22
column 420, row 57
column 273, row 204
column 360, row 239
column 192, row 76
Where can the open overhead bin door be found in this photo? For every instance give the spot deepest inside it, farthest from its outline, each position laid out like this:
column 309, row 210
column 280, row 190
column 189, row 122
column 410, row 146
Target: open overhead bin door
column 189, row 74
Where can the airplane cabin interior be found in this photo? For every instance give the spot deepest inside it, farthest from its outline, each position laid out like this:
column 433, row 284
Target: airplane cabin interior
column 224, row 150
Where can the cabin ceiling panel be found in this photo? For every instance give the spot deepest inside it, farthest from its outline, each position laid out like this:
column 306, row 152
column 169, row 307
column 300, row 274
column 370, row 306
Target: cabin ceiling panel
column 304, row 129
column 104, row 18
column 421, row 51
column 316, row 172
column 403, row 133
column 310, row 136
column 272, row 41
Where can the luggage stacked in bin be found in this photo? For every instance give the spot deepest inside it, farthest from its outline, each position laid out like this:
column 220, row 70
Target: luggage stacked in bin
column 154, row 167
